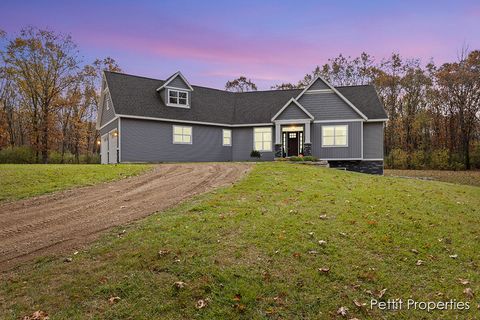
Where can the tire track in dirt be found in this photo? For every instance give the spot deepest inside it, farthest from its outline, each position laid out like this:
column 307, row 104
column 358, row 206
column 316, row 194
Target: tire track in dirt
column 69, row 220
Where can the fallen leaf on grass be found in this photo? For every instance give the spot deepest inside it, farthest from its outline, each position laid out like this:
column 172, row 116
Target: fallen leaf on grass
column 202, row 303
column 239, row 307
column 37, row 315
column 414, row 251
column 113, row 300
column 453, row 256
column 312, row 252
column 162, row 253
column 419, row 262
column 322, row 242
column 469, row 293
column 323, row 216
column 342, row 311
column 179, row 284
column 324, row 270
column 67, row 260
column 359, row 304
column 296, row 255
column 463, row 281
column 237, row 297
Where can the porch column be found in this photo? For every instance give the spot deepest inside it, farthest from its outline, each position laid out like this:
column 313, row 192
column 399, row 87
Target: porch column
column 307, row 132
column 278, row 140
column 307, row 146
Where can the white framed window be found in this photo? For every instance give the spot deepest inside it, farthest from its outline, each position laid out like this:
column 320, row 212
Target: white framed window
column 227, row 137
column 182, row 135
column 177, row 98
column 262, row 139
column 335, row 136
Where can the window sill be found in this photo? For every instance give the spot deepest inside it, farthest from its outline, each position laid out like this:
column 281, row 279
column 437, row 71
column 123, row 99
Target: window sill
column 178, row 106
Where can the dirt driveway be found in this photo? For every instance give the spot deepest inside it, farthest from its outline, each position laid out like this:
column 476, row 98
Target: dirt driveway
column 66, row 221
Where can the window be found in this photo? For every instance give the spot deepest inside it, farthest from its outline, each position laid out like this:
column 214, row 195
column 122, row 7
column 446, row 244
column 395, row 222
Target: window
column 177, row 98
column 262, row 139
column 335, row 136
column 182, row 135
column 227, row 137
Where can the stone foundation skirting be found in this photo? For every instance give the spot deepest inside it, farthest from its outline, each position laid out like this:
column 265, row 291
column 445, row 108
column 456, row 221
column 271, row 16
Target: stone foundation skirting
column 365, row 166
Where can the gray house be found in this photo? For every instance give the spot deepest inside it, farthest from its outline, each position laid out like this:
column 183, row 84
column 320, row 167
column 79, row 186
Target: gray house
column 150, row 120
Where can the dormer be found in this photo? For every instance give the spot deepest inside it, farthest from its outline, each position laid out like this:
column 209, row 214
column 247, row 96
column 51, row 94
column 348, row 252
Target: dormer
column 176, row 91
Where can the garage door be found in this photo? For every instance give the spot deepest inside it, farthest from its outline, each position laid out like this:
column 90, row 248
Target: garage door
column 112, row 147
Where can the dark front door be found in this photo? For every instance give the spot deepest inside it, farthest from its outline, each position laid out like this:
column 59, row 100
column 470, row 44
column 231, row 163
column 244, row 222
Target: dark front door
column 292, row 144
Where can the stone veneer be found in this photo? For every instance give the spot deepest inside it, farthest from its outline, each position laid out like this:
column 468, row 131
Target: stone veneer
column 365, row 166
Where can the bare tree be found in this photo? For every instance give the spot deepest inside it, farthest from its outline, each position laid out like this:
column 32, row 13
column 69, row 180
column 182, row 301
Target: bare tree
column 241, row 84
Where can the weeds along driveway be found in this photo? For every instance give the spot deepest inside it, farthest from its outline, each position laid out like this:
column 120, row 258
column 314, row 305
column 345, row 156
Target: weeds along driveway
column 68, row 220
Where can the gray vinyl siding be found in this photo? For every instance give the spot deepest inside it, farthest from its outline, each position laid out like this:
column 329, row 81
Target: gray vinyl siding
column 178, row 83
column 109, row 114
column 292, row 112
column 109, row 127
column 152, row 141
column 318, row 85
column 373, row 140
column 242, row 145
column 354, row 149
column 327, row 106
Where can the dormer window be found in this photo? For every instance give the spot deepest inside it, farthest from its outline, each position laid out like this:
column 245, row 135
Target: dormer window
column 177, row 98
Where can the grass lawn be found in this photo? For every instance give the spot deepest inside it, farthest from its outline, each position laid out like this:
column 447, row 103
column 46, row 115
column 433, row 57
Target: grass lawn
column 252, row 251
column 460, row 177
column 25, row 180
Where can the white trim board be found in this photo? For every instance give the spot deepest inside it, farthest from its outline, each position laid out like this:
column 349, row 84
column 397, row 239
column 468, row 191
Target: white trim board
column 335, row 91
column 106, row 124
column 286, row 106
column 332, row 121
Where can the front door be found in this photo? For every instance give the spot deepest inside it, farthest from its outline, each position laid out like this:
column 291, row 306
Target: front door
column 292, row 144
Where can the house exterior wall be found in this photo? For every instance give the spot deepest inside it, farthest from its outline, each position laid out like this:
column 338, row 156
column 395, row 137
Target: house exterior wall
column 109, row 114
column 292, row 112
column 242, row 144
column 327, row 106
column 354, row 149
column 373, row 140
column 112, row 125
column 179, row 84
column 152, row 141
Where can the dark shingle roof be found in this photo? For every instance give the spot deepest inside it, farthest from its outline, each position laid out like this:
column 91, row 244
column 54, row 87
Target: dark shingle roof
column 137, row 96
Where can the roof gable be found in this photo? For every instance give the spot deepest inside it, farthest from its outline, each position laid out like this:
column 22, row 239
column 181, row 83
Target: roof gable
column 292, row 110
column 325, row 82
column 177, row 80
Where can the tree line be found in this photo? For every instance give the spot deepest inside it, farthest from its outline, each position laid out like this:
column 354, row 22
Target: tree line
column 48, row 99
column 433, row 111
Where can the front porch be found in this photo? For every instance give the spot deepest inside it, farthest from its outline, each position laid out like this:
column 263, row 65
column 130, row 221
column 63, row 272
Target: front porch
column 292, row 138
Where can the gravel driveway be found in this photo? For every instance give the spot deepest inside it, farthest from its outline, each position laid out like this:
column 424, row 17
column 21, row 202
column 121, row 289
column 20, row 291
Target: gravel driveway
column 66, row 221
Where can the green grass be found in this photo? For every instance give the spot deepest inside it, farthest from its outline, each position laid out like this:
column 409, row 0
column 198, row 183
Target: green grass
column 471, row 177
column 246, row 249
column 25, row 180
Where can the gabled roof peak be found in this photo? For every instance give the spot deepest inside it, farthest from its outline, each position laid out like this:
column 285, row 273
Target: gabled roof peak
column 173, row 76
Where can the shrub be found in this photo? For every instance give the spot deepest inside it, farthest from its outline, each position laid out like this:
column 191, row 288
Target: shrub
column 418, row 160
column 439, row 159
column 255, row 154
column 56, row 157
column 310, row 158
column 397, row 159
column 296, row 158
column 17, row 155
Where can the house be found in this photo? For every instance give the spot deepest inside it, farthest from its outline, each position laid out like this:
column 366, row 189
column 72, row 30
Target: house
column 149, row 120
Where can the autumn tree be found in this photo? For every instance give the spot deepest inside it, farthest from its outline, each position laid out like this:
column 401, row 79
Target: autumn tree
column 459, row 87
column 241, row 84
column 43, row 64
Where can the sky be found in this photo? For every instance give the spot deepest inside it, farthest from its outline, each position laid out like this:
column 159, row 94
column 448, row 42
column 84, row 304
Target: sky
column 271, row 42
